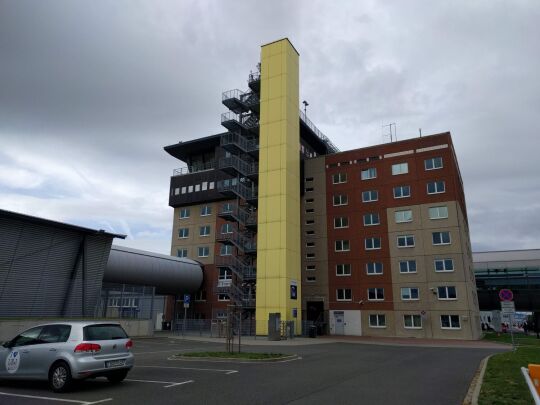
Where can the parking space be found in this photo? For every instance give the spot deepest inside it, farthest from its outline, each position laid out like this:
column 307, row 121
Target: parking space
column 327, row 373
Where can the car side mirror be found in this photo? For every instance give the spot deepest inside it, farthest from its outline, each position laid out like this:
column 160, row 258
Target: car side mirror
column 7, row 344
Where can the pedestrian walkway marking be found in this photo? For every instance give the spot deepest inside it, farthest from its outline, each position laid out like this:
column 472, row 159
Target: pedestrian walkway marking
column 74, row 401
column 170, row 383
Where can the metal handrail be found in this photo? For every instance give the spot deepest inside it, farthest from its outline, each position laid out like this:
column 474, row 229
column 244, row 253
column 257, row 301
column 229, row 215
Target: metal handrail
column 318, row 132
column 239, row 140
column 194, row 168
column 234, row 93
column 243, row 167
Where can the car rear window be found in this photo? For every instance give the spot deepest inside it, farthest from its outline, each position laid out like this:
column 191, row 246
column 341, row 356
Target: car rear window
column 104, row 332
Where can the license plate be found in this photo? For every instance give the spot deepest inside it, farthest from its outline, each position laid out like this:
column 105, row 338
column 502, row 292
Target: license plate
column 115, row 363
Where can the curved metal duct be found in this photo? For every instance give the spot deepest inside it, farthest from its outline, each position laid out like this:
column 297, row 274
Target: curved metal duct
column 169, row 274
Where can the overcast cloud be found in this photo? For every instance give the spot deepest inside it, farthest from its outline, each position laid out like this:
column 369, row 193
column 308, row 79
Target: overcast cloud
column 90, row 92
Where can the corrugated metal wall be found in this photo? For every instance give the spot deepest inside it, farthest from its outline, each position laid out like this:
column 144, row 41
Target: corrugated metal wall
column 36, row 266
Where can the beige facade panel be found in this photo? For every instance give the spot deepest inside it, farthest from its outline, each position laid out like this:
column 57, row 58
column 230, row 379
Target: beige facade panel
column 370, row 330
column 201, row 215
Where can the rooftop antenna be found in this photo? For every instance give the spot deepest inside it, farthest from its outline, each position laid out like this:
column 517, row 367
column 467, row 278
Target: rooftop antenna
column 390, row 129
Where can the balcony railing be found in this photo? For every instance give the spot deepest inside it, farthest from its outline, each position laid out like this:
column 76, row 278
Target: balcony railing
column 194, row 168
column 239, row 141
column 318, row 132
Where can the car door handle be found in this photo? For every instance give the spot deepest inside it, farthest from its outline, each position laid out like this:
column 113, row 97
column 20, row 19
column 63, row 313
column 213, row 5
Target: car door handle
column 52, row 350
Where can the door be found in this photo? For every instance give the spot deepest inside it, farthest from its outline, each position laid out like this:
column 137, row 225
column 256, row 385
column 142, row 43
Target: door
column 17, row 360
column 51, row 341
column 339, row 323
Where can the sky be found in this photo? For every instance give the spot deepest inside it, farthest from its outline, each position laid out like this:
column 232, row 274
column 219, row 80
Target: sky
column 91, row 92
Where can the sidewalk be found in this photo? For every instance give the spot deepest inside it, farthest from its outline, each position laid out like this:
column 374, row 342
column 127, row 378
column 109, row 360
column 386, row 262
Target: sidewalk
column 384, row 341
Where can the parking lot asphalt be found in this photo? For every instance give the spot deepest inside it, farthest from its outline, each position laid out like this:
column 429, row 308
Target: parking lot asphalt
column 332, row 373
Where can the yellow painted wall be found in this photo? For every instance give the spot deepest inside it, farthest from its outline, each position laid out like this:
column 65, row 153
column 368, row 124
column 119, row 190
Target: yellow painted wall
column 278, row 235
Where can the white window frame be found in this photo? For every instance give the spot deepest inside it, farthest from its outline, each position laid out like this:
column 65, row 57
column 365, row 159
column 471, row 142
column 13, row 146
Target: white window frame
column 228, row 251
column 371, row 215
column 433, row 160
column 370, row 194
column 341, row 198
column 341, row 226
column 401, row 191
column 206, row 249
column 403, row 219
column 437, row 210
column 369, row 173
column 406, row 239
column 310, row 255
column 446, row 291
column 377, row 324
column 400, row 168
column 450, row 322
column 206, row 210
column 412, row 317
column 342, row 243
column 311, row 267
column 203, row 231
column 311, row 279
column 408, row 266
column 344, row 294
column 224, row 297
column 184, row 252
column 409, row 292
column 436, row 183
column 339, row 178
column 345, row 270
column 376, row 290
column 184, row 213
column 443, row 261
column 227, row 227
column 375, row 266
column 184, row 232
column 373, row 238
column 184, row 190
column 441, row 237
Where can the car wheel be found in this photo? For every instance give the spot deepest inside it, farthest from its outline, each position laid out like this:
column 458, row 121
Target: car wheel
column 60, row 377
column 117, row 376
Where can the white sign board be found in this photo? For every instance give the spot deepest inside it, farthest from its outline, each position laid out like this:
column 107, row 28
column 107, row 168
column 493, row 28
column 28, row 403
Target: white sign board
column 508, row 307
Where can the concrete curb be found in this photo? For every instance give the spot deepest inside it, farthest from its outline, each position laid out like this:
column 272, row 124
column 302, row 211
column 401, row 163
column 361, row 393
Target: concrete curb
column 233, row 360
column 476, row 384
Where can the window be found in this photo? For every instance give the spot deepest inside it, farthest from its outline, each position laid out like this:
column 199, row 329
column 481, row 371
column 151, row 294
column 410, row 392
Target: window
column 339, row 178
column 204, row 186
column 342, row 246
column 447, row 292
column 183, row 233
column 344, row 294
column 372, row 243
column 225, row 250
column 367, row 174
column 310, row 244
column 310, row 221
column 403, row 216
column 309, row 179
column 444, row 265
column 402, row 191
column 407, row 266
column 405, row 241
column 54, row 334
column 341, row 222
column 412, row 321
column 377, row 321
column 433, row 163
column 197, row 187
column 400, row 168
column 309, row 189
column 340, row 199
column 206, row 210
column 184, row 213
column 343, row 270
column 204, row 230
column 184, row 190
column 224, row 274
column 311, row 279
column 375, row 294
column 181, row 253
column 450, row 322
column 310, row 210
column 441, row 238
column 369, row 196
column 200, row 295
column 435, row 187
column 309, row 200
column 223, row 297
column 227, row 227
column 211, row 185
column 409, row 293
column 311, row 267
column 310, row 233
column 176, row 191
column 310, row 255
column 203, row 251
column 374, row 268
column 371, row 219
column 438, row 212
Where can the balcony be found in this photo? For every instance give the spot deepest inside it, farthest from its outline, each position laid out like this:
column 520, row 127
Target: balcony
column 254, row 81
column 240, row 267
column 235, row 166
column 203, row 167
column 245, row 243
column 234, row 187
column 240, row 102
column 240, row 122
column 232, row 212
column 235, row 143
column 331, row 147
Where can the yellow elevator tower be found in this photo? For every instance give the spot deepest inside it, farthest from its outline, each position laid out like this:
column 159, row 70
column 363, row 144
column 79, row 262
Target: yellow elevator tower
column 278, row 236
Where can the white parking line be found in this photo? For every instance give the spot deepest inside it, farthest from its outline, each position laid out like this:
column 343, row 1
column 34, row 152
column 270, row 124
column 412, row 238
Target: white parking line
column 74, row 401
column 167, row 351
column 192, row 368
column 170, row 383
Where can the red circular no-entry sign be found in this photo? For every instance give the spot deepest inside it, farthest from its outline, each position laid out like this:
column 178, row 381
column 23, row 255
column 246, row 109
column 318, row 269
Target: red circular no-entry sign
column 506, row 295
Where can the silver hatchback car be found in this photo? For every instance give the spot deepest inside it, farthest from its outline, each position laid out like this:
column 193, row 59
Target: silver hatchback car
column 66, row 351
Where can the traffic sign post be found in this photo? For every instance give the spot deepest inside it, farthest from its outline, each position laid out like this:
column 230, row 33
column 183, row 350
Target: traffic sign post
column 187, row 299
column 508, row 308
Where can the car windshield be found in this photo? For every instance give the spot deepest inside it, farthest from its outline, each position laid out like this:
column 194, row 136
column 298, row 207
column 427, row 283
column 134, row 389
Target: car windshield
column 104, row 332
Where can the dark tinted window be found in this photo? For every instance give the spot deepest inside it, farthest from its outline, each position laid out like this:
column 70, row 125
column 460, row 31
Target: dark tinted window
column 104, row 332
column 54, row 333
column 29, row 337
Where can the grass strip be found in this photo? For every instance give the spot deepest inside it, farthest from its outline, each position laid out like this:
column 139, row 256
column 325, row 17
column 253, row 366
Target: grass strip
column 503, row 382
column 241, row 355
column 519, row 338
